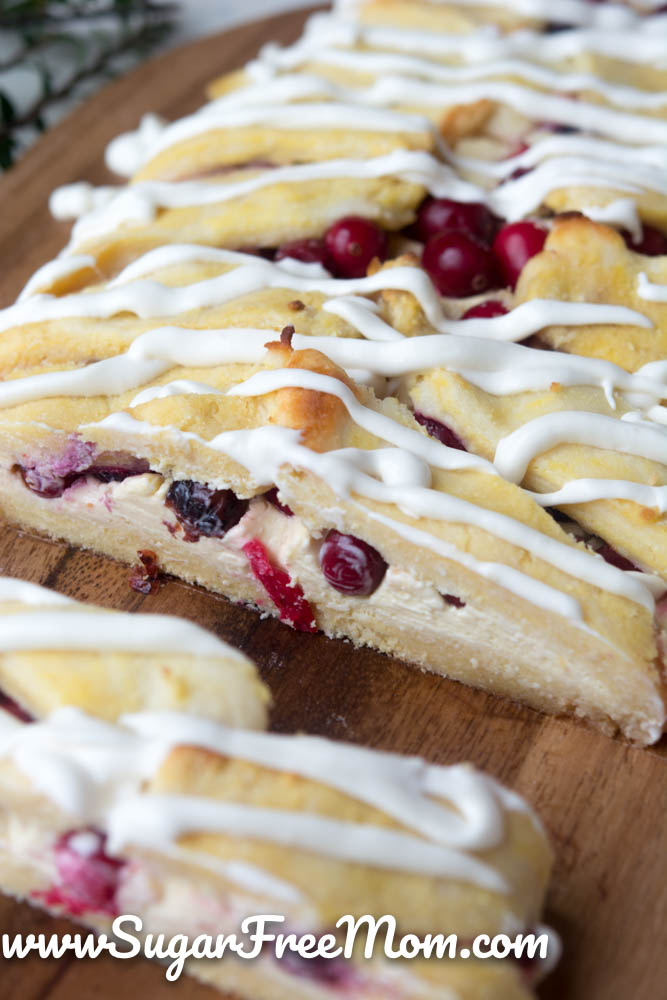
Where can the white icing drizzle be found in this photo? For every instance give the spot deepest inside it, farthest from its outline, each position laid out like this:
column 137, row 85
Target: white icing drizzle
column 377, row 63
column 24, row 592
column 112, row 631
column 565, row 11
column 96, row 770
column 219, row 115
column 621, row 213
column 515, row 452
column 587, row 490
column 149, row 298
column 264, row 450
column 647, row 290
column 140, row 202
column 481, row 45
column 180, row 387
column 126, row 153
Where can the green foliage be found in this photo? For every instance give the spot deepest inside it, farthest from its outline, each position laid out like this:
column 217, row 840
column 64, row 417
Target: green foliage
column 66, row 44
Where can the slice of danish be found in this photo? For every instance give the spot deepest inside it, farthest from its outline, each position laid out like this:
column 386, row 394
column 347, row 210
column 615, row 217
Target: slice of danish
column 56, row 652
column 193, row 827
column 377, row 532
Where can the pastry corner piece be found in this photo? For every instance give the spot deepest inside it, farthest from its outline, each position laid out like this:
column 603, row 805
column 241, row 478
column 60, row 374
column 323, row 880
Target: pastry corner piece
column 58, row 653
column 192, row 827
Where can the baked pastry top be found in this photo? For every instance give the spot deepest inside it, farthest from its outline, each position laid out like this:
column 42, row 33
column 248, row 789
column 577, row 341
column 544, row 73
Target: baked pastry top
column 373, row 341
column 117, row 803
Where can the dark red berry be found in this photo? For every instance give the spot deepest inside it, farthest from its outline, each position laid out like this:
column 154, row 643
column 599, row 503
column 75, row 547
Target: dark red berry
column 8, row 704
column 441, row 432
column 459, row 265
column 439, row 214
column 88, row 877
column 453, row 601
column 145, row 578
column 514, row 245
column 352, row 243
column 288, row 597
column 486, row 310
column 272, row 497
column 308, row 251
column 653, row 242
column 351, row 565
column 204, row 511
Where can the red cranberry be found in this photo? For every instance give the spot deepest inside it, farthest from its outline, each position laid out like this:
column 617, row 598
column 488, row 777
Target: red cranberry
column 351, row 565
column 145, row 578
column 288, row 597
column 653, row 242
column 272, row 497
column 473, row 218
column 8, row 704
column 459, row 265
column 352, row 243
column 88, row 876
column 514, row 245
column 615, row 558
column 441, row 432
column 203, row 511
column 308, row 251
column 45, row 483
column 117, row 473
column 486, row 310
column 453, row 601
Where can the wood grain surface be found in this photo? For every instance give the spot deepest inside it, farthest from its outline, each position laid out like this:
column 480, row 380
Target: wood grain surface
column 604, row 803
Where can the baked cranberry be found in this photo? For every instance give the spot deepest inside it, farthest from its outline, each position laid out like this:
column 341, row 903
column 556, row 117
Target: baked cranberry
column 272, row 497
column 453, row 601
column 441, row 432
column 204, row 511
column 88, row 876
column 486, row 310
column 309, row 251
column 439, row 214
column 326, row 971
column 653, row 242
column 145, row 578
column 288, row 597
column 117, row 473
column 8, row 704
column 351, row 565
column 352, row 243
column 459, row 265
column 514, row 245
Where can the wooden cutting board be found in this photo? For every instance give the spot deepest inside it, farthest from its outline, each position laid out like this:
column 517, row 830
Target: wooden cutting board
column 604, row 803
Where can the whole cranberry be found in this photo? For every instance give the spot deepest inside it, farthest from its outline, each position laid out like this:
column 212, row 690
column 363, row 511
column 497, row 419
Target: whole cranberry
column 351, row 565
column 352, row 243
column 486, row 310
column 473, row 218
column 653, row 242
column 459, row 265
column 514, row 245
column 310, row 251
column 204, row 511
